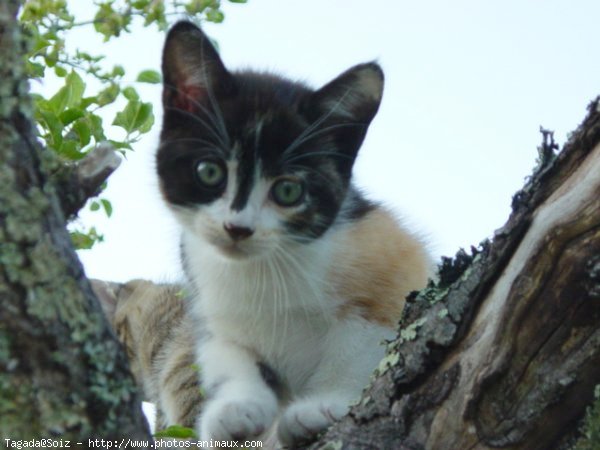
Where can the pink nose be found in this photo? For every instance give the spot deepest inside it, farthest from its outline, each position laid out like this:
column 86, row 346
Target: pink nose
column 238, row 233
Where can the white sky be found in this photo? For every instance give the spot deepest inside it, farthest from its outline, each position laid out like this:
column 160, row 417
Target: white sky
column 468, row 83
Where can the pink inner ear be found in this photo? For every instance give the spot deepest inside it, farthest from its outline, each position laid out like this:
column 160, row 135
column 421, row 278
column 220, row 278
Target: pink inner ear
column 189, row 97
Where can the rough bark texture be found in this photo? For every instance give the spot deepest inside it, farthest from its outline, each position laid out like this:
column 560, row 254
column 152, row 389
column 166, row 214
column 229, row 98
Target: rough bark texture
column 62, row 373
column 75, row 183
column 504, row 352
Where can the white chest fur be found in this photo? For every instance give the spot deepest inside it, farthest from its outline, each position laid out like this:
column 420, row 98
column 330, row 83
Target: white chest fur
column 282, row 309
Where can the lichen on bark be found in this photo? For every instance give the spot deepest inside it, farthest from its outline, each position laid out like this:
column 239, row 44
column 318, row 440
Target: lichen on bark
column 62, row 373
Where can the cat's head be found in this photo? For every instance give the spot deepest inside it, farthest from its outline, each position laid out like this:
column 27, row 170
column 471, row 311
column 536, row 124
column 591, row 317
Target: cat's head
column 251, row 161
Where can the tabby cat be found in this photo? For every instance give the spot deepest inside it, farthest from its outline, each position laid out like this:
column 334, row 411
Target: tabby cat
column 295, row 277
column 151, row 322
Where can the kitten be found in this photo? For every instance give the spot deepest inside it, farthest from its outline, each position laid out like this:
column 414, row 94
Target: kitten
column 150, row 321
column 296, row 277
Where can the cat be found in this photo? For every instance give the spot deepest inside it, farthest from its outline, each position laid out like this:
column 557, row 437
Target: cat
column 295, row 277
column 150, row 321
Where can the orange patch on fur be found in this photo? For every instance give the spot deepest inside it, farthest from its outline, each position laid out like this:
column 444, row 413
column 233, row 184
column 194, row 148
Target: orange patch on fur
column 379, row 263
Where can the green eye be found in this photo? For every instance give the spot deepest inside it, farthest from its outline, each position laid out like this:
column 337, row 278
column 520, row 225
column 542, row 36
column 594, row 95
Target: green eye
column 287, row 192
column 210, row 173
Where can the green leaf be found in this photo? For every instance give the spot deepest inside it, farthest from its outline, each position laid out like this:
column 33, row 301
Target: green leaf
column 108, row 95
column 238, row 1
column 118, row 71
column 194, row 7
column 87, row 57
column 70, row 95
column 71, row 115
column 51, row 122
column 87, row 101
column 156, row 13
column 215, row 15
column 130, row 93
column 51, row 58
column 83, row 130
column 140, row 4
column 119, row 145
column 71, row 149
column 35, row 70
column 60, row 71
column 40, row 43
column 109, row 22
column 137, row 116
column 107, row 207
column 149, row 76
column 96, row 127
column 176, row 431
column 94, row 206
column 85, row 241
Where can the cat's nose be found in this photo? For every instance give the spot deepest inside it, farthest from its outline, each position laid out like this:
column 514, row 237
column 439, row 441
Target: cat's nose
column 238, row 233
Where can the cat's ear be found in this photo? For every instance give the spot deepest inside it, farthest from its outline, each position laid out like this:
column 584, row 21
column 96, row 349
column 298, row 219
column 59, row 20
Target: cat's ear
column 106, row 293
column 353, row 97
column 192, row 69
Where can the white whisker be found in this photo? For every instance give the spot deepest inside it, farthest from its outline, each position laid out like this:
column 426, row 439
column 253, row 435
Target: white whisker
column 213, row 127
column 303, row 278
column 305, row 135
column 215, row 105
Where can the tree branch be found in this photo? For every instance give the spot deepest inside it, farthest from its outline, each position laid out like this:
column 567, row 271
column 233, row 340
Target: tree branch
column 76, row 183
column 62, row 373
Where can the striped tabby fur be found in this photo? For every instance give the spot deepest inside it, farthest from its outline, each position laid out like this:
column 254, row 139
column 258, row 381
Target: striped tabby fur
column 150, row 321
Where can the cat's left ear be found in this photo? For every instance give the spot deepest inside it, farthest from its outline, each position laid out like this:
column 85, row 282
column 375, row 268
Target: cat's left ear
column 353, row 97
column 192, row 69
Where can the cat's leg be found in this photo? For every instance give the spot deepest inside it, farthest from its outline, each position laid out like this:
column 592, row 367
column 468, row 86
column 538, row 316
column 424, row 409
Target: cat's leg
column 178, row 383
column 240, row 403
column 308, row 416
column 352, row 349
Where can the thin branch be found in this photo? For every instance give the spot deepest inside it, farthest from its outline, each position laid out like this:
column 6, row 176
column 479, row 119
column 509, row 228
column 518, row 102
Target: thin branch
column 76, row 183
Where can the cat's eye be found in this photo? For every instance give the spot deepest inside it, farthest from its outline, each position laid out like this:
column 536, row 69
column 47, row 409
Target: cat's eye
column 287, row 192
column 210, row 173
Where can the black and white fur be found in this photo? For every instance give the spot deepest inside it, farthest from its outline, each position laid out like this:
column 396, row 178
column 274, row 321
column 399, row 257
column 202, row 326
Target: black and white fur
column 280, row 345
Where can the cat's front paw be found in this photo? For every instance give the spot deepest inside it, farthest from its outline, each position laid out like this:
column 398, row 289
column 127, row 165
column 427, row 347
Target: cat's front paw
column 236, row 420
column 304, row 419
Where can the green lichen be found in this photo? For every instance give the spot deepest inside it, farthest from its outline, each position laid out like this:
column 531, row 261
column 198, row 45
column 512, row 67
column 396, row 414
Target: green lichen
column 332, row 445
column 15, row 395
column 389, row 360
column 590, row 439
column 61, row 373
column 18, row 418
column 364, row 401
column 52, row 300
column 409, row 333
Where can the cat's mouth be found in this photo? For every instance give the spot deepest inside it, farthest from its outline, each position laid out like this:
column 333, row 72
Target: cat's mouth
column 234, row 250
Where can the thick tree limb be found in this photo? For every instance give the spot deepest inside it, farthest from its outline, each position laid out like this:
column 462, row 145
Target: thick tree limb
column 62, row 373
column 505, row 351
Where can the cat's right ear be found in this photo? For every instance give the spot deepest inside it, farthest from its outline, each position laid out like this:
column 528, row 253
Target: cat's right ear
column 106, row 293
column 193, row 72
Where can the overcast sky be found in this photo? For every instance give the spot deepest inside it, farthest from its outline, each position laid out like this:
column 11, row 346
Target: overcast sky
column 468, row 83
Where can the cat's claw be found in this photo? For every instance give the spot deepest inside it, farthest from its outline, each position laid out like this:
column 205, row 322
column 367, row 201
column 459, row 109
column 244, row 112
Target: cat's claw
column 231, row 420
column 306, row 418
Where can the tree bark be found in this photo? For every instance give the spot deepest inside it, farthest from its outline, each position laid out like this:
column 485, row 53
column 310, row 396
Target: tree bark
column 62, row 373
column 504, row 352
